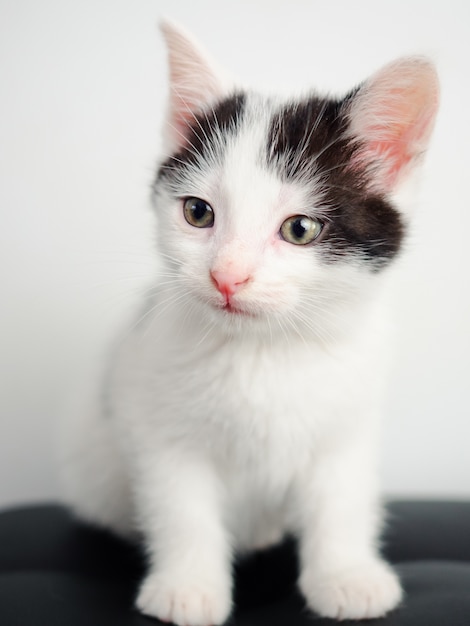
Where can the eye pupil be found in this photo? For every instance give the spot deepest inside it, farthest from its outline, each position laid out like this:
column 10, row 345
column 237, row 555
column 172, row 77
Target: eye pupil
column 298, row 228
column 198, row 213
column 301, row 230
column 199, row 210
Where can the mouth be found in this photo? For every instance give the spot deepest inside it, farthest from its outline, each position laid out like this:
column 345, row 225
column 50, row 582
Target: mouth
column 233, row 310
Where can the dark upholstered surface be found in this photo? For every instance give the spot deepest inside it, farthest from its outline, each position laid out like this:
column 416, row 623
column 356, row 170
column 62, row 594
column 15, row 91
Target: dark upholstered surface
column 55, row 571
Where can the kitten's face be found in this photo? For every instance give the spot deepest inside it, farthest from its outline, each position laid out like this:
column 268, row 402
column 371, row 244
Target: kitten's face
column 259, row 246
column 276, row 216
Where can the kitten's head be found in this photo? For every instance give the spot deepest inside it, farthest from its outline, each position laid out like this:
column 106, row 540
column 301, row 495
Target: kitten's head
column 279, row 215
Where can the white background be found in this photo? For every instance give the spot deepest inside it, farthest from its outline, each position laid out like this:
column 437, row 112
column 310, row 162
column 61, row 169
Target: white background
column 82, row 94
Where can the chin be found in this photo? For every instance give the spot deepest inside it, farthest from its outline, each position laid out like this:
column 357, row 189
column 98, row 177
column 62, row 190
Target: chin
column 238, row 320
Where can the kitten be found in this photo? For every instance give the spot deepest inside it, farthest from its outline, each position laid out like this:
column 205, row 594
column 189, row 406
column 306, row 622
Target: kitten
column 245, row 403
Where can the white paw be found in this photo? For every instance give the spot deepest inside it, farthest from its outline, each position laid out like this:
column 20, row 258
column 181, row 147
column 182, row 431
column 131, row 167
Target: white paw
column 173, row 600
column 359, row 592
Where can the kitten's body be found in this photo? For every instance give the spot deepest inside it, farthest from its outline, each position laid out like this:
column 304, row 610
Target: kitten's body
column 245, row 404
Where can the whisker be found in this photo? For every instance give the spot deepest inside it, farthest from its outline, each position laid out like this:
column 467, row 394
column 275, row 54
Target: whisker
column 157, row 306
column 209, row 326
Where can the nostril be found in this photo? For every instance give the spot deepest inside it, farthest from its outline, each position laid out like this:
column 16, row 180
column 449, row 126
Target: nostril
column 228, row 283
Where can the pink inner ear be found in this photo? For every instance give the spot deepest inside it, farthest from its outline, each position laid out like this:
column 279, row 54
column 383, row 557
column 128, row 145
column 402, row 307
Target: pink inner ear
column 186, row 101
column 193, row 83
column 181, row 115
column 393, row 116
column 398, row 150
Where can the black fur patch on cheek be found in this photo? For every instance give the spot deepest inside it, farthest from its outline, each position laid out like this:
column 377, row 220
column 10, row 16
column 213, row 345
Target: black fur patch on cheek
column 205, row 134
column 369, row 228
column 309, row 140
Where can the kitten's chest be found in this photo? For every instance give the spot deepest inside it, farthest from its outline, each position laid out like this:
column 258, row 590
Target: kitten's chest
column 249, row 402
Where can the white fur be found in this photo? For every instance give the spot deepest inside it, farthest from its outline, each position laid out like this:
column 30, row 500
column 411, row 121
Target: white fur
column 225, row 430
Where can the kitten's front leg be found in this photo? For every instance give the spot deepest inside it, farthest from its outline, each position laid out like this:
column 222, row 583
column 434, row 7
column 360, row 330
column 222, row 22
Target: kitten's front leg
column 342, row 573
column 189, row 581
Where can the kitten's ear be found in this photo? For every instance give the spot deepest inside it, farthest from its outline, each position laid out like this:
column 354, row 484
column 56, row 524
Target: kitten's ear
column 194, row 83
column 392, row 115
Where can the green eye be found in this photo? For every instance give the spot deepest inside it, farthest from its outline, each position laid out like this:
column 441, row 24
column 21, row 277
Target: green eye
column 300, row 229
column 198, row 213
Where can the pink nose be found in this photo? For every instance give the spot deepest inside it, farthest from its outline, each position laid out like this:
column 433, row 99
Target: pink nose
column 228, row 283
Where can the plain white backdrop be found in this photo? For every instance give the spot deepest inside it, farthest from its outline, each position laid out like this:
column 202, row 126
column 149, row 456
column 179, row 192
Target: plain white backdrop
column 83, row 88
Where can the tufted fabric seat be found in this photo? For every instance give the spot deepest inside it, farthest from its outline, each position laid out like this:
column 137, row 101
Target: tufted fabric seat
column 55, row 571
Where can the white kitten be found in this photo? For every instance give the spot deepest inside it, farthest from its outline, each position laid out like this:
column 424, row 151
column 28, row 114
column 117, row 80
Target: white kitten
column 245, row 404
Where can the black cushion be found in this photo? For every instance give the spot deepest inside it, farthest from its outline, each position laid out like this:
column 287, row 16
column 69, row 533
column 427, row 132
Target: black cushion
column 55, row 570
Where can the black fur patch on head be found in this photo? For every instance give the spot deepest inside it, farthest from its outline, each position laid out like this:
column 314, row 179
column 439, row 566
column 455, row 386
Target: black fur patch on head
column 309, row 139
column 221, row 120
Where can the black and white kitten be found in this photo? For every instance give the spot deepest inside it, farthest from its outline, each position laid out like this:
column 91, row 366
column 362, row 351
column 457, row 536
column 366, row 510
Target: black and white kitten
column 245, row 404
